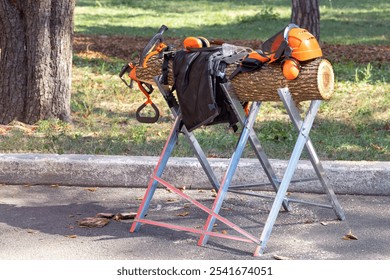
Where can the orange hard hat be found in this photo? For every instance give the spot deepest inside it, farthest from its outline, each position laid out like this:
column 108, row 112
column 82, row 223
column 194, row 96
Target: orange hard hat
column 301, row 44
column 304, row 45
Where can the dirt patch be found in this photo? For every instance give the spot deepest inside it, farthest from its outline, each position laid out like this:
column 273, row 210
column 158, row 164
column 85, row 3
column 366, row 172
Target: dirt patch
column 128, row 48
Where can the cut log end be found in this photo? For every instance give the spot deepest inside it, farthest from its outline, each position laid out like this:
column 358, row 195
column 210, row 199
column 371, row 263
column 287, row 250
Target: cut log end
column 325, row 78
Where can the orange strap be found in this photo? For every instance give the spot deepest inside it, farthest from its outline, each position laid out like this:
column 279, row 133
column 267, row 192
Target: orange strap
column 158, row 49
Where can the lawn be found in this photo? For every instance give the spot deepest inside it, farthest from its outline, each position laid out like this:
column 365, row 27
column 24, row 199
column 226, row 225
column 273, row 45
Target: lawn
column 342, row 21
column 353, row 125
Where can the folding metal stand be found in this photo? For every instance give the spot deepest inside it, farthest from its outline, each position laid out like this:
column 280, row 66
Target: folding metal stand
column 247, row 133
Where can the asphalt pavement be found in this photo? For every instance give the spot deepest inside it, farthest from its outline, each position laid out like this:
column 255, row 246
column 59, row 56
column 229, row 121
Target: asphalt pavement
column 41, row 222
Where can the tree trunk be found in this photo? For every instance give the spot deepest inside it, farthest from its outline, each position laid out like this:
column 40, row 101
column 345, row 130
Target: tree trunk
column 306, row 14
column 35, row 59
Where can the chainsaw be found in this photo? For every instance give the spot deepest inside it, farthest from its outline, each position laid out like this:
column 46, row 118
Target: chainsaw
column 154, row 47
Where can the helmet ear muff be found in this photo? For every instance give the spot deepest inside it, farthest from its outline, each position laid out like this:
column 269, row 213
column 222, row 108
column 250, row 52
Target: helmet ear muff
column 291, row 68
column 205, row 42
column 192, row 43
column 196, row 43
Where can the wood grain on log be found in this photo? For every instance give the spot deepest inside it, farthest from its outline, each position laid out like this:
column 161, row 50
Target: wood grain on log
column 315, row 80
column 154, row 68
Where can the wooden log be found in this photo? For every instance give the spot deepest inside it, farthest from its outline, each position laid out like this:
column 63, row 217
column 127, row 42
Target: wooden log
column 154, row 68
column 315, row 80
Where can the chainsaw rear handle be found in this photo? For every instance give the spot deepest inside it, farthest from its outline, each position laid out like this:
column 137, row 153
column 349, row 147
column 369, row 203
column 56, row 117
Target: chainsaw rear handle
column 143, row 119
column 156, row 39
column 125, row 69
column 147, row 89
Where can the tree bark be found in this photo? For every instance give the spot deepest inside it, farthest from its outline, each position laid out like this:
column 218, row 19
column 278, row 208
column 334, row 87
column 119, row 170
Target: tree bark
column 306, row 14
column 315, row 82
column 35, row 59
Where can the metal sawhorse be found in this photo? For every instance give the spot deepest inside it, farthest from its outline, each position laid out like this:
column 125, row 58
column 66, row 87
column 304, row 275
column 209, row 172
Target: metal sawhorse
column 280, row 186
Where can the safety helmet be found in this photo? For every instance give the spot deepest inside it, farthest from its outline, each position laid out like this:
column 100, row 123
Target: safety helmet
column 303, row 44
column 290, row 46
column 292, row 41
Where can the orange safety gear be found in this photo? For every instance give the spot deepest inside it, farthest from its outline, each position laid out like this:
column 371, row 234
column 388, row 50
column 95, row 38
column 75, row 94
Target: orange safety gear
column 196, row 43
column 304, row 45
column 258, row 55
column 293, row 44
column 291, row 68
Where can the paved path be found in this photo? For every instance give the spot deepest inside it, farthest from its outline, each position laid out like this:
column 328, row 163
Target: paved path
column 38, row 222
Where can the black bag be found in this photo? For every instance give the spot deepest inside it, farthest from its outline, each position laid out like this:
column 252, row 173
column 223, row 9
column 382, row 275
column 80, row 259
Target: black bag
column 197, row 83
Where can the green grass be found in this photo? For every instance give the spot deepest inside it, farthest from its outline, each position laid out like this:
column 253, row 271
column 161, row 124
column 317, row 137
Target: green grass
column 342, row 21
column 353, row 125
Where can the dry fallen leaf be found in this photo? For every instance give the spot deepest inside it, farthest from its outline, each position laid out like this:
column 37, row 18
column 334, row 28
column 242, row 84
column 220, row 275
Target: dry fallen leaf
column 104, row 215
column 71, row 236
column 183, row 214
column 124, row 216
column 91, row 189
column 277, row 257
column 54, row 186
column 377, row 147
column 93, row 222
column 224, row 231
column 350, row 236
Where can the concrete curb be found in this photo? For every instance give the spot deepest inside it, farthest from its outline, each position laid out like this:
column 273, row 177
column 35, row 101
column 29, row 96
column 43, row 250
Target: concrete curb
column 360, row 178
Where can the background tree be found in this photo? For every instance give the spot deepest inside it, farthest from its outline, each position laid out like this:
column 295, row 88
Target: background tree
column 306, row 14
column 35, row 59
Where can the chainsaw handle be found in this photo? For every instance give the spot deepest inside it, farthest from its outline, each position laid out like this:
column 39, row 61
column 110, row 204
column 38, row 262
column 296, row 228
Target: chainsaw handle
column 157, row 38
column 147, row 119
column 125, row 68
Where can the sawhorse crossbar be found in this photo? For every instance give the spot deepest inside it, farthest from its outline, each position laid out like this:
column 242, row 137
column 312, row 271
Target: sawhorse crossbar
column 280, row 186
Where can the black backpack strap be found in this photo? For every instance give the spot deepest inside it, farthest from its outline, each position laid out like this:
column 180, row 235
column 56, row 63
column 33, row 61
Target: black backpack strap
column 206, row 49
column 247, row 65
column 165, row 68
